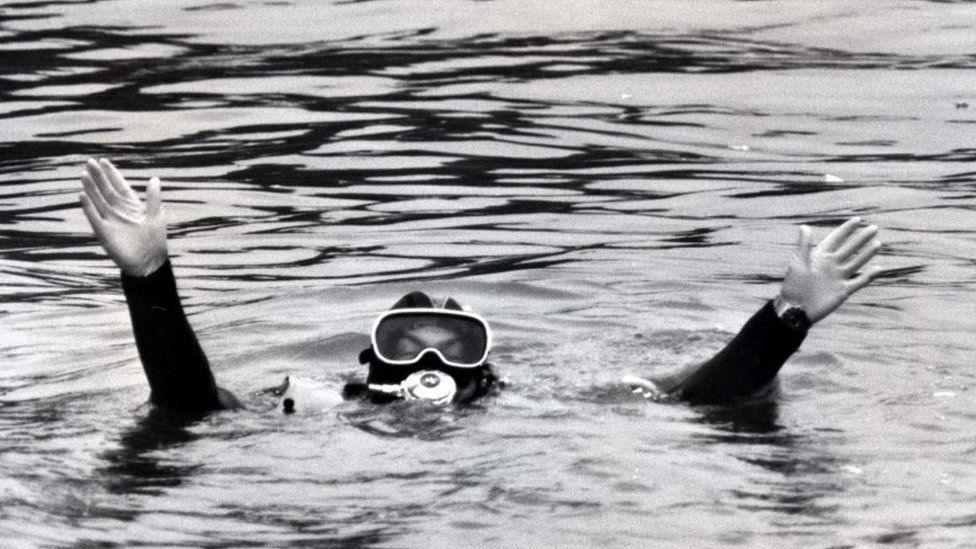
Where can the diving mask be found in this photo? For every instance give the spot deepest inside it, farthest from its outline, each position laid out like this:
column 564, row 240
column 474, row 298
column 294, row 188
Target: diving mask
column 460, row 339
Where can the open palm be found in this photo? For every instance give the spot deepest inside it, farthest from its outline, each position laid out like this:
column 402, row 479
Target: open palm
column 131, row 231
column 822, row 276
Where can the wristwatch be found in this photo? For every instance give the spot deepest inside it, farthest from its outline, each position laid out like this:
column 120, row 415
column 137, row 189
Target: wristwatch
column 792, row 315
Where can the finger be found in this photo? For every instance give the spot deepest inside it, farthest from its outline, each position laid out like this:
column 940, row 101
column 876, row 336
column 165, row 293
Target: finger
column 105, row 187
column 862, row 257
column 154, row 198
column 95, row 196
column 840, row 234
column 105, row 209
column 91, row 213
column 804, row 243
column 862, row 280
column 856, row 242
column 121, row 185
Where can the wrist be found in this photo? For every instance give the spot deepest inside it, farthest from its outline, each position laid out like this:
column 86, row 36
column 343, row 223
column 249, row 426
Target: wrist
column 146, row 267
column 152, row 280
column 781, row 305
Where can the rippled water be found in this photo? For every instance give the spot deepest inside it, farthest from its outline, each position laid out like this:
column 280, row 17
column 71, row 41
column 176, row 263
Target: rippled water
column 616, row 185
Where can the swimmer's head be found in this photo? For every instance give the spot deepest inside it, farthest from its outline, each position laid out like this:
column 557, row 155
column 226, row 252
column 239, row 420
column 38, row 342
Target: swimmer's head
column 425, row 352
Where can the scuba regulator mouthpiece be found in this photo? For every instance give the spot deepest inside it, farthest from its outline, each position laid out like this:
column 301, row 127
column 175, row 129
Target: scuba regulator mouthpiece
column 430, row 385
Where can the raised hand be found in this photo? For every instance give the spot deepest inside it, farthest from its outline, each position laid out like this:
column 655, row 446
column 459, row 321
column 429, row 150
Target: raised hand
column 822, row 276
column 131, row 231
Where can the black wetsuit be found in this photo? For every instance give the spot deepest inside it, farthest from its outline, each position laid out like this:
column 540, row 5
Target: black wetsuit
column 176, row 367
column 180, row 377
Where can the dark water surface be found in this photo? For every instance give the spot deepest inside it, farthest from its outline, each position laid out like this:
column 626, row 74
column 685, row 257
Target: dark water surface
column 616, row 185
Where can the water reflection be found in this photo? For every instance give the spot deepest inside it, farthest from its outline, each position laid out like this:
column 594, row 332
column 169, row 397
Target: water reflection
column 745, row 422
column 140, row 465
column 410, row 420
column 806, row 478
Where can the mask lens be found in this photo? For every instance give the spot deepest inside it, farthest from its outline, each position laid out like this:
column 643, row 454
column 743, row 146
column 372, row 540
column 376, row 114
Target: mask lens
column 462, row 340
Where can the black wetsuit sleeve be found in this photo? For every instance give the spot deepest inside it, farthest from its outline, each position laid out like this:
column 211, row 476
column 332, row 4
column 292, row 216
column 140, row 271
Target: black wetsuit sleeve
column 746, row 365
column 175, row 365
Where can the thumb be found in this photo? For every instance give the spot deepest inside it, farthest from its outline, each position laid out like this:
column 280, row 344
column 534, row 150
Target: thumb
column 154, row 199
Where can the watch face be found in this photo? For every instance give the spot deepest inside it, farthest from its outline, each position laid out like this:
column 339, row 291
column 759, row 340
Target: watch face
column 796, row 318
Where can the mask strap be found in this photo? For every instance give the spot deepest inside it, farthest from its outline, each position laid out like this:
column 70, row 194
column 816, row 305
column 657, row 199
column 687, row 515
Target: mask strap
column 451, row 305
column 367, row 356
